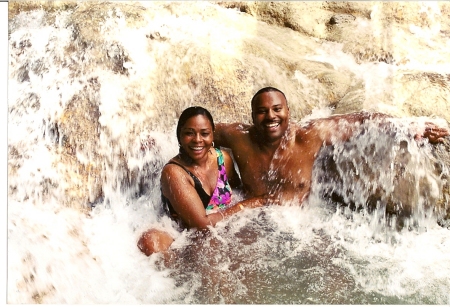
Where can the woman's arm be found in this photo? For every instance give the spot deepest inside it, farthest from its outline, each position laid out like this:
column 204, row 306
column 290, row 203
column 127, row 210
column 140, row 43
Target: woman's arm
column 253, row 202
column 179, row 189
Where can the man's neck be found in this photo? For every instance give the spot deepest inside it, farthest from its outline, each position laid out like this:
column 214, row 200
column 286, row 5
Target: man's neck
column 269, row 146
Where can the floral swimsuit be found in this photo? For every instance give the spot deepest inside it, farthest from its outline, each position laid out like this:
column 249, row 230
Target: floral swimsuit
column 221, row 196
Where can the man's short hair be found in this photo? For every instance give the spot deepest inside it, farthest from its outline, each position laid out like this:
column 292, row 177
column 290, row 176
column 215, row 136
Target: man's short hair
column 267, row 89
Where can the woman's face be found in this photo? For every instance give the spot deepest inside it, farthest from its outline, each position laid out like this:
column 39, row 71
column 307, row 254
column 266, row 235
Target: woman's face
column 196, row 137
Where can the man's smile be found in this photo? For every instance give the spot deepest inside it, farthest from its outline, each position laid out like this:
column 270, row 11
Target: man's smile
column 272, row 125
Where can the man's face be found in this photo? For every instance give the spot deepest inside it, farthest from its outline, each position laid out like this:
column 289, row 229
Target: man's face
column 270, row 115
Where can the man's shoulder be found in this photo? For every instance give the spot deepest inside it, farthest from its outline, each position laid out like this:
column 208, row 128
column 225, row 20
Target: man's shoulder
column 300, row 128
column 304, row 131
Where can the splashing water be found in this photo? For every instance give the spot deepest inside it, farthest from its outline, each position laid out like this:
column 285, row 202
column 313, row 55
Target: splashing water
column 94, row 93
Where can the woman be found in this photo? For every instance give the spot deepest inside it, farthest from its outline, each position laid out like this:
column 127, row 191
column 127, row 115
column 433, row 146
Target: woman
column 196, row 183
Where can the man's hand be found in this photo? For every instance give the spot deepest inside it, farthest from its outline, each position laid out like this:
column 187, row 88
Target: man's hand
column 433, row 133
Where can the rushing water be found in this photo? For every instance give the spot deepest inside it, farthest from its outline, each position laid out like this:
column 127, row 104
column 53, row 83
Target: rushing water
column 82, row 99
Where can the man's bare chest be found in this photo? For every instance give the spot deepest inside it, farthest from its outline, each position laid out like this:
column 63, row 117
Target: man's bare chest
column 287, row 169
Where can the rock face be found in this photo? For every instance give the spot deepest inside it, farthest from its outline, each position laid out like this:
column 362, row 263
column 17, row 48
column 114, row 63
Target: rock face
column 406, row 193
column 371, row 32
column 133, row 67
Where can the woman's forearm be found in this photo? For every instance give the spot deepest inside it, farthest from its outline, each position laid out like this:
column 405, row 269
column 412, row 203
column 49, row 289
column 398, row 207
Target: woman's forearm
column 254, row 202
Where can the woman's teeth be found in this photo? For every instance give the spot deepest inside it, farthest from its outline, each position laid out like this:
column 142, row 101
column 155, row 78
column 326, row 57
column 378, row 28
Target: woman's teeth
column 272, row 125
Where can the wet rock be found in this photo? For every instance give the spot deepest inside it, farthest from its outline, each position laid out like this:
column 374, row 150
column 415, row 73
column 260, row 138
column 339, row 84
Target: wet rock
column 441, row 153
column 38, row 67
column 156, row 36
column 355, row 8
column 79, row 130
column 352, row 101
column 399, row 193
column 341, row 18
column 117, row 57
column 308, row 18
column 434, row 88
column 20, row 47
column 23, row 73
column 87, row 36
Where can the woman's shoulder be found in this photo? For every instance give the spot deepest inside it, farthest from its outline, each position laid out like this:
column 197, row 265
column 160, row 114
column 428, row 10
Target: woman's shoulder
column 173, row 175
column 173, row 166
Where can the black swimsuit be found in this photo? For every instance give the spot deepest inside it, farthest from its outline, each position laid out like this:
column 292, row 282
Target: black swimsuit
column 198, row 187
column 220, row 198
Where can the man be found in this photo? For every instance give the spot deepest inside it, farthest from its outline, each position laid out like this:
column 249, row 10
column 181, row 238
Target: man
column 276, row 158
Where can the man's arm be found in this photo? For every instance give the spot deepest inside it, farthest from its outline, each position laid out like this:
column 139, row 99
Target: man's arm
column 338, row 128
column 224, row 134
column 342, row 127
column 221, row 135
column 233, row 177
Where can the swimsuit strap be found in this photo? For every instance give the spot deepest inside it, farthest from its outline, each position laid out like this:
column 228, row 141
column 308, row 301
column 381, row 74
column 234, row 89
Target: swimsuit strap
column 221, row 196
column 198, row 185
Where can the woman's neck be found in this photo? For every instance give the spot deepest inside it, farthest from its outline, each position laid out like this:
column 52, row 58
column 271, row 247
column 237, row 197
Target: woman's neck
column 189, row 162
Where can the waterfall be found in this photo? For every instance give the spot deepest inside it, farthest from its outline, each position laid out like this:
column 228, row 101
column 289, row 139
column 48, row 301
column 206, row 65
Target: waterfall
column 95, row 89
